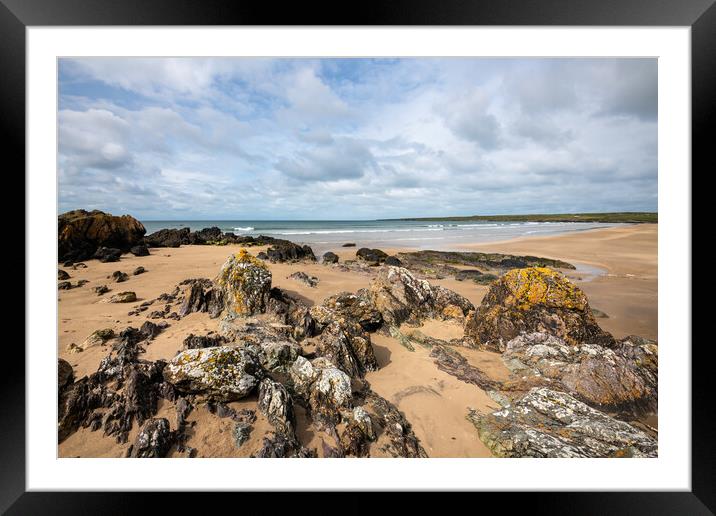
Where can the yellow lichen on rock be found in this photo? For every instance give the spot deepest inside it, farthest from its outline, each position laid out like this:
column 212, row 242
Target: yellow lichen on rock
column 542, row 286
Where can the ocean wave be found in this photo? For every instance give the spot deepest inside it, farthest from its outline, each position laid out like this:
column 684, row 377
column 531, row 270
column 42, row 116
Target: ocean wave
column 243, row 230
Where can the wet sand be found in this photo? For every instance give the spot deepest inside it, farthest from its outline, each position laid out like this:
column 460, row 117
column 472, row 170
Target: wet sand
column 434, row 402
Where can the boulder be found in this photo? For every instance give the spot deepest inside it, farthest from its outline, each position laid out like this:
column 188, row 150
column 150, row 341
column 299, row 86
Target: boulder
column 153, row 441
column 100, row 289
column 622, row 379
column 330, row 257
column 358, row 307
column 348, row 347
column 245, row 283
column 205, row 236
column 222, row 373
column 168, row 238
column 64, row 285
column 326, row 388
column 394, row 261
column 107, row 254
column 81, row 233
column 401, row 297
column 62, row 275
column 536, row 299
column 65, row 374
column 372, row 256
column 285, row 251
column 139, row 270
column 140, row 250
column 547, row 423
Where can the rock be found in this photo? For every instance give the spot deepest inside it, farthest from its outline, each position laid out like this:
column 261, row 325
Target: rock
column 392, row 260
column 348, row 347
column 468, row 274
column 168, row 238
column 221, row 373
column 349, row 244
column 74, row 348
column 82, row 283
column 139, row 270
column 119, row 276
column 262, row 256
column 547, row 423
column 62, row 275
column 372, row 256
column 203, row 341
column 107, row 254
column 123, row 297
column 242, row 433
column 621, row 379
column 151, row 330
column 64, row 285
column 599, row 314
column 281, row 446
column 65, row 374
column 79, row 266
column 153, row 441
column 140, row 250
column 81, row 233
column 276, row 404
column 201, row 295
column 245, row 283
column 358, row 307
column 326, row 388
column 453, row 363
column 304, row 278
column 100, row 289
column 98, row 338
column 358, row 433
column 205, row 236
column 285, row 251
column 401, row 297
column 396, row 437
column 278, row 356
column 534, row 300
column 330, row 257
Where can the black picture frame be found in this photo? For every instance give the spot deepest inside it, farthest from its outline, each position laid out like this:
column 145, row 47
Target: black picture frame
column 700, row 15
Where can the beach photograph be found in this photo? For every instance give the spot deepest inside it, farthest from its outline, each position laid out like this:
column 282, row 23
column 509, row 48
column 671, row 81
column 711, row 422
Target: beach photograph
column 357, row 257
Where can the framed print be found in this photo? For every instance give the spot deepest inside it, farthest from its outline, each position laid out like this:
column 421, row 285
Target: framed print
column 421, row 249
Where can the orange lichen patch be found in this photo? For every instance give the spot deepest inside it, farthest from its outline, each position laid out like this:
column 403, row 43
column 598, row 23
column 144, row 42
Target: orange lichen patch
column 542, row 286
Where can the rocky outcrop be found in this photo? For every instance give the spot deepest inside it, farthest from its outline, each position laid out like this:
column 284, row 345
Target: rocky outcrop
column 326, row 389
column 547, row 423
column 168, row 238
column 222, row 373
column 285, row 251
column 81, row 233
column 357, row 307
column 276, row 404
column 401, row 297
column 536, row 299
column 245, row 283
column 200, row 295
column 621, row 379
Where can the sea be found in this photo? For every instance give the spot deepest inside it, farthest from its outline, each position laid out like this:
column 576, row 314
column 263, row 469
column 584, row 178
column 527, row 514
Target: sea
column 324, row 235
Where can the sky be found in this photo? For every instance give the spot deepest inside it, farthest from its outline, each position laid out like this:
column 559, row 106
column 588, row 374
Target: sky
column 337, row 139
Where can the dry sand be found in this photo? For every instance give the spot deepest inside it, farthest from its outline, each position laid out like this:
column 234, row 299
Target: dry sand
column 434, row 402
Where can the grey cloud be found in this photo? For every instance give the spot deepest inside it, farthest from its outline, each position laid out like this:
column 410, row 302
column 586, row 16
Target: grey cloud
column 345, row 160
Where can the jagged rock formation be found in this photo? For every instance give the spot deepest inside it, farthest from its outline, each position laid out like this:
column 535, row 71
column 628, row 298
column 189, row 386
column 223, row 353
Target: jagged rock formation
column 536, row 299
column 81, row 233
column 245, row 283
column 546, row 423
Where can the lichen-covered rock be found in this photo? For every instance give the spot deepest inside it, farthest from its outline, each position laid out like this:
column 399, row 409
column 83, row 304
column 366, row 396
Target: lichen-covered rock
column 222, row 373
column 623, row 378
column 358, row 433
column 153, row 441
column 245, row 283
column 347, row 305
column 65, row 374
column 326, row 388
column 278, row 356
column 276, row 404
column 122, row 297
column 395, row 437
column 547, row 423
column 192, row 341
column 401, row 297
column 81, row 233
column 536, row 299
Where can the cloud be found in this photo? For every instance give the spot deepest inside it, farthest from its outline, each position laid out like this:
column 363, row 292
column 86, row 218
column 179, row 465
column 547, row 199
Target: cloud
column 247, row 138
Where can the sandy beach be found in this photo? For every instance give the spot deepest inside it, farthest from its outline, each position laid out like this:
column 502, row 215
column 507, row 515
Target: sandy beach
column 433, row 401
